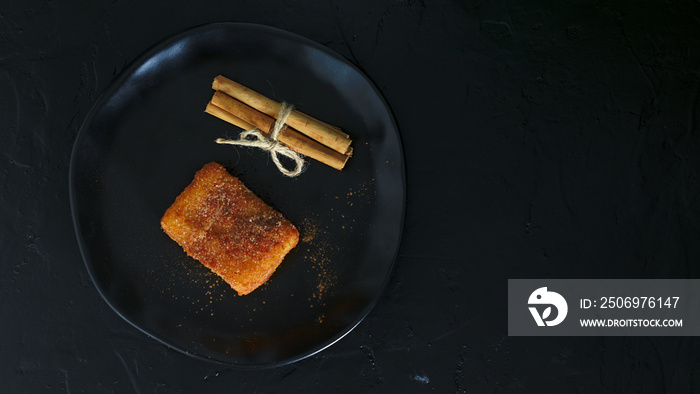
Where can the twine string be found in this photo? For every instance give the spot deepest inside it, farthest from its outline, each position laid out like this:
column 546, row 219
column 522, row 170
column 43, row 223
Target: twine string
column 256, row 139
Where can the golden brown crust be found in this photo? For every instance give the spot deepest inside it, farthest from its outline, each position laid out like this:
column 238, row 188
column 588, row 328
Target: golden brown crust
column 221, row 223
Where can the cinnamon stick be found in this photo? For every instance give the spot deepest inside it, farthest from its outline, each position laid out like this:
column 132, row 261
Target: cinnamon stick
column 228, row 117
column 233, row 111
column 324, row 133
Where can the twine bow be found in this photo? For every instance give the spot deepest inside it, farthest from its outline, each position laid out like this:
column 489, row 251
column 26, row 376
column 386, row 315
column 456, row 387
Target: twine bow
column 256, row 139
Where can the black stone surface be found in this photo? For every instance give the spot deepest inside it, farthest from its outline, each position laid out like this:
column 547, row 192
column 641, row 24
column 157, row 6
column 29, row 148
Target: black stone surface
column 542, row 140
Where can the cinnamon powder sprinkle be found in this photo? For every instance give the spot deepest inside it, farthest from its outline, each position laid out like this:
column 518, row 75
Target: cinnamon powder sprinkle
column 319, row 254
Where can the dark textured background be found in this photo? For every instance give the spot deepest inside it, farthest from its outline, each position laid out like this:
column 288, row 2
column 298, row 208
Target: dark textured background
column 543, row 139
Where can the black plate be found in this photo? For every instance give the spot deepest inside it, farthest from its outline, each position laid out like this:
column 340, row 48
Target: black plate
column 147, row 135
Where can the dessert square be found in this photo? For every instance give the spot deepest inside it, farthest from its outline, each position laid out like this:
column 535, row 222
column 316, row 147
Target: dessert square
column 230, row 230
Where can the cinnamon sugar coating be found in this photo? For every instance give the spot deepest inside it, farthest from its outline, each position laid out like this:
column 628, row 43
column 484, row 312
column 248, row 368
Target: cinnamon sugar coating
column 221, row 223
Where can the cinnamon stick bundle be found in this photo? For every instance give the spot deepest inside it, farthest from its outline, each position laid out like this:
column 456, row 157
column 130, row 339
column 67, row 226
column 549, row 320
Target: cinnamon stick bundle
column 247, row 109
column 324, row 133
column 233, row 111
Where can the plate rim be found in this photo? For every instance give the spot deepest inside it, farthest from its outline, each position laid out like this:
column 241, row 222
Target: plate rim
column 132, row 67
